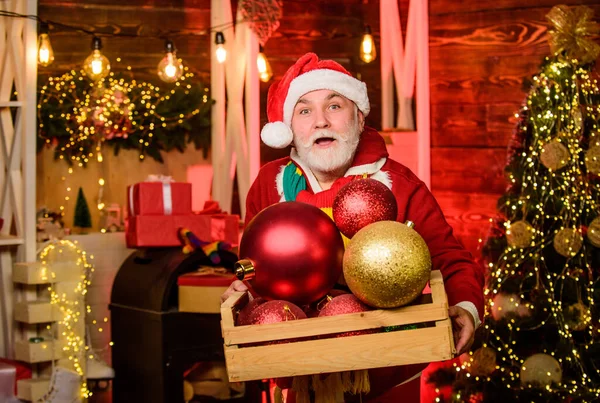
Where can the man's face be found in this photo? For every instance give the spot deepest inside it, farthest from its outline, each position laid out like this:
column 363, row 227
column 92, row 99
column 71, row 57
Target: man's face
column 327, row 128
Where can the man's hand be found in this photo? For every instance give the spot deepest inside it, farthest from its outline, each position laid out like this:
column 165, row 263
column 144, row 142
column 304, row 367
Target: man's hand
column 463, row 328
column 237, row 285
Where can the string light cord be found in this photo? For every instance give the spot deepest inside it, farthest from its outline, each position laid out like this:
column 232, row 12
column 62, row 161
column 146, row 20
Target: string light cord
column 162, row 35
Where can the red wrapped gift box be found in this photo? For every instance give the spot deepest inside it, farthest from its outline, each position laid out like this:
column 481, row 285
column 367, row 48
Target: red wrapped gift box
column 201, row 291
column 225, row 227
column 158, row 198
column 161, row 231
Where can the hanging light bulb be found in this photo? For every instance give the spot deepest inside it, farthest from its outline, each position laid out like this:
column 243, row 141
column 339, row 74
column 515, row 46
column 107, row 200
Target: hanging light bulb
column 170, row 68
column 221, row 52
column 264, row 68
column 96, row 65
column 45, row 52
column 367, row 47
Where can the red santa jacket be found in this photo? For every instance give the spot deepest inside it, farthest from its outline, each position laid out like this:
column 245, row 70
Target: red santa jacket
column 463, row 278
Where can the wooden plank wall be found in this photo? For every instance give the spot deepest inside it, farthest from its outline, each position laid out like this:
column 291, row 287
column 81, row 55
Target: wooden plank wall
column 482, row 52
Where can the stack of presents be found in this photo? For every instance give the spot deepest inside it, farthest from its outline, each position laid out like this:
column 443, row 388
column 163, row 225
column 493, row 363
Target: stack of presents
column 160, row 215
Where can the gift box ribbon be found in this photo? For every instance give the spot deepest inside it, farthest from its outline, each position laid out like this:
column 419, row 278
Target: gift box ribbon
column 167, row 195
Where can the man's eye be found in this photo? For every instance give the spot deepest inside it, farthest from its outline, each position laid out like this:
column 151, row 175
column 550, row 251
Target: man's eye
column 334, row 106
column 303, row 111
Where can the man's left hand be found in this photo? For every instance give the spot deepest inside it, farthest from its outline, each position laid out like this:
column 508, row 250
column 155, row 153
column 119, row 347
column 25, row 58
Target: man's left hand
column 463, row 328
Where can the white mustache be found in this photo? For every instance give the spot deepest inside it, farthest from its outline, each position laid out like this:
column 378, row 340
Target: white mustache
column 326, row 134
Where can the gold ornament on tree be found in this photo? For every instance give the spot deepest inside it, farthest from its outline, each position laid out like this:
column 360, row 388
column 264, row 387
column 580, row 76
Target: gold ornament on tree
column 519, row 234
column 572, row 33
column 568, row 242
column 387, row 264
column 263, row 17
column 577, row 316
column 592, row 160
column 483, row 362
column 593, row 232
column 577, row 118
column 554, row 155
column 540, row 370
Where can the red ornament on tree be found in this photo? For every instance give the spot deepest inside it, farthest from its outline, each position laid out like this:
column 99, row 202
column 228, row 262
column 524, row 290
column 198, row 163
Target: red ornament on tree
column 291, row 251
column 363, row 202
column 343, row 304
column 243, row 317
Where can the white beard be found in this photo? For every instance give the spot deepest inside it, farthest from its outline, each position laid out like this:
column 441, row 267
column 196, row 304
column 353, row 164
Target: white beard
column 335, row 157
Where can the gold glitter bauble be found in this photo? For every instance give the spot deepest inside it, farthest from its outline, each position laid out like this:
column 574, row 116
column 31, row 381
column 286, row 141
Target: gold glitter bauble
column 540, row 370
column 519, row 234
column 593, row 232
column 592, row 160
column 575, row 316
column 484, row 362
column 387, row 264
column 567, row 242
column 577, row 117
column 554, row 155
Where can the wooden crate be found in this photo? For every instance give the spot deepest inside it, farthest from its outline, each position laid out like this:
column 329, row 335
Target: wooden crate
column 432, row 341
column 32, row 353
column 32, row 389
column 36, row 312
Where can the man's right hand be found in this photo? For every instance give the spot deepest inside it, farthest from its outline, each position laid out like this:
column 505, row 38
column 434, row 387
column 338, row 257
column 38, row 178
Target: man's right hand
column 237, row 285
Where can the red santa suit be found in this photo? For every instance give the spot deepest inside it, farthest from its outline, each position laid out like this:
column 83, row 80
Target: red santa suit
column 463, row 279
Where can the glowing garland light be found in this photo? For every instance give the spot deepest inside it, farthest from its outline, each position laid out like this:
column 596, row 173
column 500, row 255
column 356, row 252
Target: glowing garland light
column 72, row 310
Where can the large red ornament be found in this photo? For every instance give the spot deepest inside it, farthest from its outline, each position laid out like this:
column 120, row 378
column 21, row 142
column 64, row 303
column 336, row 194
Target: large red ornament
column 243, row 317
column 363, row 202
column 343, row 304
column 291, row 251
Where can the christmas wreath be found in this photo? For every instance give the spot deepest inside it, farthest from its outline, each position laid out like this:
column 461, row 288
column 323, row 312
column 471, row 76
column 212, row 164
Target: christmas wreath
column 78, row 116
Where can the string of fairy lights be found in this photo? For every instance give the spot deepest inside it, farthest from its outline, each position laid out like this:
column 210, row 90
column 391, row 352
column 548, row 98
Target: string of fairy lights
column 552, row 169
column 170, row 67
column 63, row 257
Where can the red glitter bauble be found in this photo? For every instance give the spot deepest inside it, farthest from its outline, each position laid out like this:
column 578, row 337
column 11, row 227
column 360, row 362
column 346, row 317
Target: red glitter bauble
column 363, row 202
column 275, row 312
column 343, row 304
column 312, row 310
column 243, row 317
column 293, row 251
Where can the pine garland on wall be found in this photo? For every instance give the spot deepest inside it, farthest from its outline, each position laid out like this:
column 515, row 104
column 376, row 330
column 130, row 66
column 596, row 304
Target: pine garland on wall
column 79, row 117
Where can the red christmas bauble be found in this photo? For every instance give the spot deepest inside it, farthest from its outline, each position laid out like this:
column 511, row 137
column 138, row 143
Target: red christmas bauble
column 275, row 312
column 343, row 304
column 291, row 251
column 363, row 202
column 312, row 310
column 243, row 317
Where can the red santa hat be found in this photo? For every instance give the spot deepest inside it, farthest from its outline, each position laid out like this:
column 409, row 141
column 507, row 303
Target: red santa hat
column 306, row 75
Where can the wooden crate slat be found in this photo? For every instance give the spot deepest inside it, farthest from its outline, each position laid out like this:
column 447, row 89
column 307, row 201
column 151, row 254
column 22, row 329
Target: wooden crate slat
column 332, row 355
column 334, row 324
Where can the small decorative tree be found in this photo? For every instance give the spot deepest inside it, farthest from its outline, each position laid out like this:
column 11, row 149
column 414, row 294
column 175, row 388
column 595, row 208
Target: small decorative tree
column 83, row 218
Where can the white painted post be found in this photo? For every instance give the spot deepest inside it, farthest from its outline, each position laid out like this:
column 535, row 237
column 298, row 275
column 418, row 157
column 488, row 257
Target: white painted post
column 18, row 52
column 405, row 68
column 235, row 136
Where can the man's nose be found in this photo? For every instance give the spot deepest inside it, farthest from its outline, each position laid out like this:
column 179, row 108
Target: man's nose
column 321, row 121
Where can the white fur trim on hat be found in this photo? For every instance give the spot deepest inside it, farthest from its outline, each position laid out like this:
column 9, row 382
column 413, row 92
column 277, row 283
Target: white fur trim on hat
column 325, row 79
column 277, row 135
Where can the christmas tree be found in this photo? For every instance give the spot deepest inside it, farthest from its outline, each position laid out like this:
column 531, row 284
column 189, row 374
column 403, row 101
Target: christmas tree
column 541, row 336
column 82, row 217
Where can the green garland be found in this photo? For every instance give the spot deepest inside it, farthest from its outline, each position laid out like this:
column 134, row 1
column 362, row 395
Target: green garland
column 77, row 116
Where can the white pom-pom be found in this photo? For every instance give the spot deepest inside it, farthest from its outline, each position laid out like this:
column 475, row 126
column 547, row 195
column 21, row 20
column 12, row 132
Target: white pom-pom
column 277, row 135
